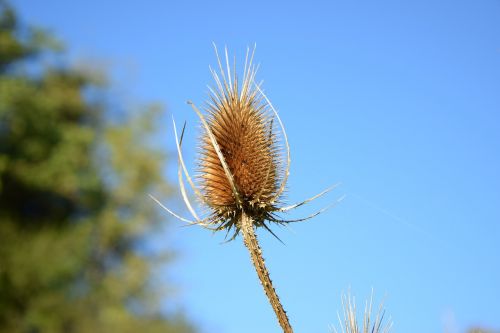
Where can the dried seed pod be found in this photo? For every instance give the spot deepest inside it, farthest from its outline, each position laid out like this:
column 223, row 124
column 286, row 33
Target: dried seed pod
column 242, row 124
column 240, row 169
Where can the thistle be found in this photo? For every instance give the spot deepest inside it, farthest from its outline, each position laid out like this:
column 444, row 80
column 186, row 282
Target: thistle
column 243, row 167
column 350, row 324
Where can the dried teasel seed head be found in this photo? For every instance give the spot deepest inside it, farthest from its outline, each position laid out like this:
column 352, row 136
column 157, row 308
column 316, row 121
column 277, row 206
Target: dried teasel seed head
column 351, row 323
column 242, row 124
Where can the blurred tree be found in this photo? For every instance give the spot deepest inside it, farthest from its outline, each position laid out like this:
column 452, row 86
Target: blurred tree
column 74, row 211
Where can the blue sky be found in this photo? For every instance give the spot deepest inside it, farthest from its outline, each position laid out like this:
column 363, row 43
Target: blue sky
column 398, row 100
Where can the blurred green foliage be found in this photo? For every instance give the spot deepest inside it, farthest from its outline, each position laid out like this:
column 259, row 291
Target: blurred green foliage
column 74, row 211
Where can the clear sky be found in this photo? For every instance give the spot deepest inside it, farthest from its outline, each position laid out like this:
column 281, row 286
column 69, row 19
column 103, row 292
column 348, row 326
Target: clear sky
column 398, row 100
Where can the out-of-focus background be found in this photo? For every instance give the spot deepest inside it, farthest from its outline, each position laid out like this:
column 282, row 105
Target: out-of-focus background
column 397, row 100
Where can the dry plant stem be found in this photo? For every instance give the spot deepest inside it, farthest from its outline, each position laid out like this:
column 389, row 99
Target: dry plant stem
column 250, row 240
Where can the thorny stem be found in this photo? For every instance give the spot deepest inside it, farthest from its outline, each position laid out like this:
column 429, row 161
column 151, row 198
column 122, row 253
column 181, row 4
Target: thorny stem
column 251, row 243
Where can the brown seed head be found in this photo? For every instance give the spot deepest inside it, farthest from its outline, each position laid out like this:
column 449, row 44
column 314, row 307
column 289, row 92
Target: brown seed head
column 242, row 124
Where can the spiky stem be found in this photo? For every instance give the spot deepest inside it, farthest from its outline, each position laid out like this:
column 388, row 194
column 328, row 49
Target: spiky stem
column 251, row 243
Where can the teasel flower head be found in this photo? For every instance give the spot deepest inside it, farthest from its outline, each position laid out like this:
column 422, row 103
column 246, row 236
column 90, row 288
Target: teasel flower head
column 351, row 323
column 242, row 122
column 244, row 156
